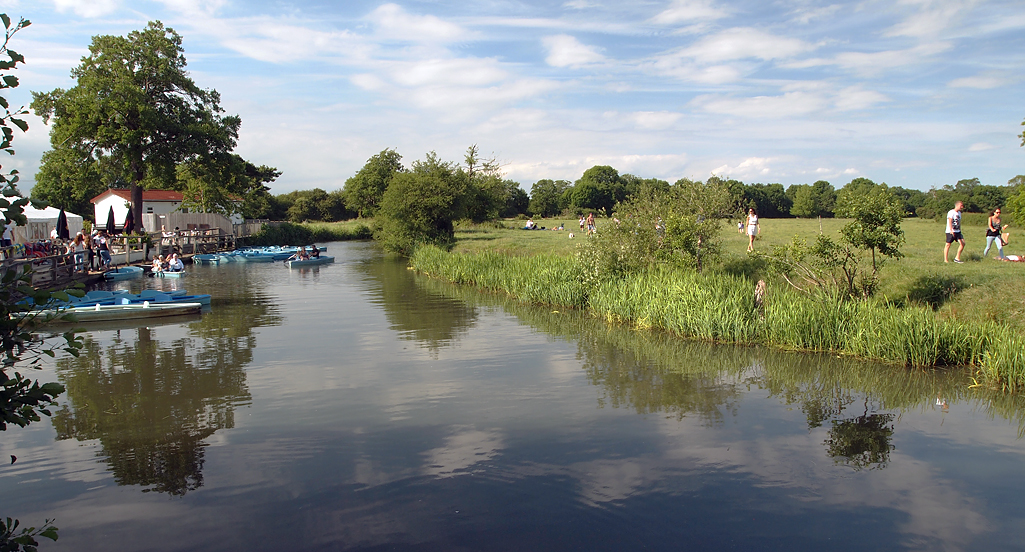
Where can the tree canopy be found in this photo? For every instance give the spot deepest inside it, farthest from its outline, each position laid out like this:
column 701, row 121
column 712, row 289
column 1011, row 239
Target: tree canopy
column 364, row 190
column 135, row 114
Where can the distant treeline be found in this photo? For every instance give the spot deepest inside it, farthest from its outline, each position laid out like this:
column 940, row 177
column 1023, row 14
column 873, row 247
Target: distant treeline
column 602, row 188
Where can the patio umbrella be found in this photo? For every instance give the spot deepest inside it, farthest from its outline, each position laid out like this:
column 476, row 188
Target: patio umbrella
column 129, row 222
column 62, row 226
column 110, row 221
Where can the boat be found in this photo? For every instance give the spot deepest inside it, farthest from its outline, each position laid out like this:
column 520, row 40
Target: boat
column 206, row 258
column 109, row 313
column 321, row 260
column 168, row 274
column 123, row 273
column 163, row 298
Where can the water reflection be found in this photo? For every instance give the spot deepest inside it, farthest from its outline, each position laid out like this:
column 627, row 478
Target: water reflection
column 652, row 372
column 433, row 320
column 151, row 404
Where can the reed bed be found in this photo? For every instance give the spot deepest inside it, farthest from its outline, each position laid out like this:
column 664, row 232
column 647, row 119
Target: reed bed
column 721, row 307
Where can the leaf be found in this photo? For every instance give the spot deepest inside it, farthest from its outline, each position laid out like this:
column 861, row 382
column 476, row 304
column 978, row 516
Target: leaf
column 20, row 124
column 3, row 102
column 11, row 81
column 6, row 19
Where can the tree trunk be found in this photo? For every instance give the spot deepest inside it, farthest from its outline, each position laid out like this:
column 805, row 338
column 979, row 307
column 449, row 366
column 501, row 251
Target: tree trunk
column 137, row 206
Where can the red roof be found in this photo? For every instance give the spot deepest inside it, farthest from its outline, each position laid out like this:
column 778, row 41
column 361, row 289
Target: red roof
column 147, row 195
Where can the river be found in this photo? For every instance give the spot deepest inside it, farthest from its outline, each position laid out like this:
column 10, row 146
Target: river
column 357, row 406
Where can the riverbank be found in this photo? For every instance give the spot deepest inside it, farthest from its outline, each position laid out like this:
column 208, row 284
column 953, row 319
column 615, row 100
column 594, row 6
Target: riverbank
column 720, row 306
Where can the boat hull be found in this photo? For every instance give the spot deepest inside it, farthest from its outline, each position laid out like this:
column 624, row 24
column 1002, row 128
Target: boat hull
column 322, row 260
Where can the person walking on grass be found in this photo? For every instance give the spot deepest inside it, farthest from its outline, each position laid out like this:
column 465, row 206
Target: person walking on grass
column 752, row 228
column 954, row 232
column 993, row 234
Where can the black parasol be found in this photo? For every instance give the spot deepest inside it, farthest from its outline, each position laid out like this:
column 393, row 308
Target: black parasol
column 110, row 221
column 62, row 226
column 129, row 222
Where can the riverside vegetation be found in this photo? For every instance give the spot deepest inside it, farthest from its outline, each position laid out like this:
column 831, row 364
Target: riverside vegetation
column 923, row 313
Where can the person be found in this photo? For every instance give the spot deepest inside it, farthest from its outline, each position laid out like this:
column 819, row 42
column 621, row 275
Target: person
column 101, row 246
column 740, row 227
column 78, row 246
column 993, row 234
column 314, row 252
column 591, row 228
column 8, row 239
column 158, row 264
column 954, row 232
column 752, row 228
column 530, row 224
column 175, row 264
column 87, row 242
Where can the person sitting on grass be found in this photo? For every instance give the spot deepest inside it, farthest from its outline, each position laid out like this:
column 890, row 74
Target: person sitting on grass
column 531, row 225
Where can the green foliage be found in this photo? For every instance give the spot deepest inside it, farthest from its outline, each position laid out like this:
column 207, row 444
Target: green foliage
column 304, row 234
column 486, row 193
column 517, row 201
column 546, row 197
column 600, row 188
column 678, row 227
column 222, row 183
column 13, row 540
column 1015, row 208
column 421, row 205
column 816, row 200
column 135, row 112
column 364, row 190
column 65, row 180
column 877, row 215
column 317, row 205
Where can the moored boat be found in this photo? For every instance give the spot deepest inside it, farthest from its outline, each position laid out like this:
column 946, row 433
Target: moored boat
column 109, row 313
column 123, row 273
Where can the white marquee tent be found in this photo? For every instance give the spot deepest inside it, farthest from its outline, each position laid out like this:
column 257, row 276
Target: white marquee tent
column 41, row 222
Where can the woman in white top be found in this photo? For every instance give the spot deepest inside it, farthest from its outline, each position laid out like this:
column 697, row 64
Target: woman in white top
column 752, row 228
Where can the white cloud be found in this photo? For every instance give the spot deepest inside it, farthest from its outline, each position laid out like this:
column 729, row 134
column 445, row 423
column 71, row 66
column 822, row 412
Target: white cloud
column 807, row 15
column 687, row 11
column 745, row 43
column 790, row 104
column 856, row 97
column 931, row 17
column 567, row 51
column 982, row 82
column 655, row 120
column 752, row 167
column 393, row 22
column 87, row 8
column 981, row 146
column 197, row 8
column 870, row 63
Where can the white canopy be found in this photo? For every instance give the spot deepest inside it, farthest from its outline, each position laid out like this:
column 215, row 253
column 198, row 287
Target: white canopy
column 41, row 222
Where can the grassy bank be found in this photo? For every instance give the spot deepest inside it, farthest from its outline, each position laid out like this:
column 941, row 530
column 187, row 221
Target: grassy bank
column 720, row 307
column 311, row 232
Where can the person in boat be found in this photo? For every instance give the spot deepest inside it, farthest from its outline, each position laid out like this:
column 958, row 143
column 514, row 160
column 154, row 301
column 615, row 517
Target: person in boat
column 175, row 264
column 314, row 252
column 158, row 264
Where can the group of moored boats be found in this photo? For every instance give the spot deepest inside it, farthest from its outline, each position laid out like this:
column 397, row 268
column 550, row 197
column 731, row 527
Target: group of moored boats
column 117, row 306
column 105, row 306
column 291, row 255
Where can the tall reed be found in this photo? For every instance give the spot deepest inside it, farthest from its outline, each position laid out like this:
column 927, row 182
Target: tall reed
column 721, row 307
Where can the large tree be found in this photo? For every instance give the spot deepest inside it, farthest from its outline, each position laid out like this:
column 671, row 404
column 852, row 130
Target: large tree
column 421, row 205
column 135, row 104
column 364, row 190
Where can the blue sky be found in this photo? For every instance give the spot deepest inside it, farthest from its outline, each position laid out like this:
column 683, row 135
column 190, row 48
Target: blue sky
column 915, row 93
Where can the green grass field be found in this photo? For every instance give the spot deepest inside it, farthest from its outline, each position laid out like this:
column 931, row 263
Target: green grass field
column 978, row 290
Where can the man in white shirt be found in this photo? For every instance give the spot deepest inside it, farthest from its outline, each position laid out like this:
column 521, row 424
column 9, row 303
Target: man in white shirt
column 954, row 232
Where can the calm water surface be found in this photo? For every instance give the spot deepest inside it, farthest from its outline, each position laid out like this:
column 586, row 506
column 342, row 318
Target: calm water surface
column 359, row 407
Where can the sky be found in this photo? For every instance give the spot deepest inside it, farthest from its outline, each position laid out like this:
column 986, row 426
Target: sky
column 914, row 93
